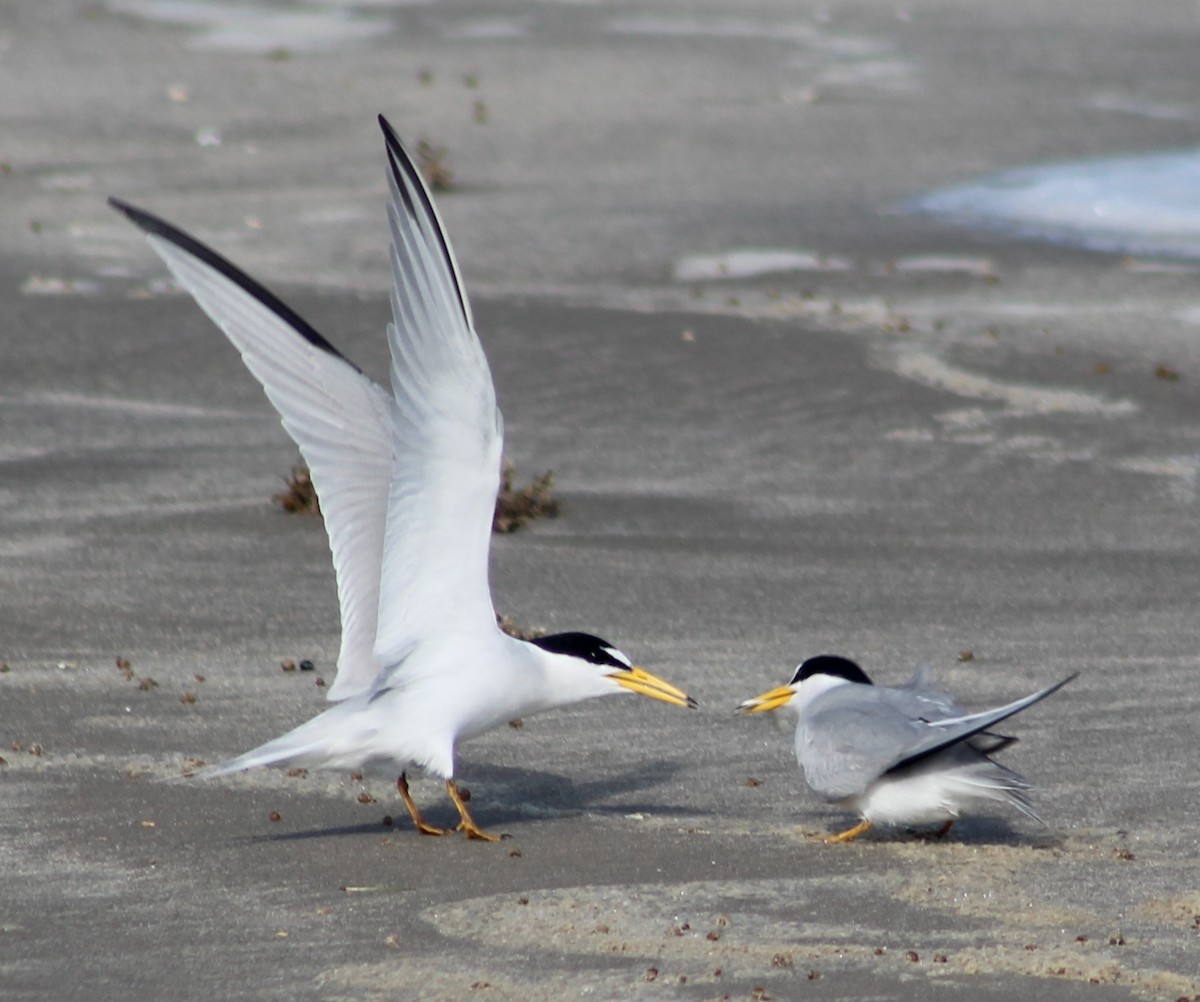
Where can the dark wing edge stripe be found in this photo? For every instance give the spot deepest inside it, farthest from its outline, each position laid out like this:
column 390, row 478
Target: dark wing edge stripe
column 984, row 725
column 155, row 226
column 401, row 164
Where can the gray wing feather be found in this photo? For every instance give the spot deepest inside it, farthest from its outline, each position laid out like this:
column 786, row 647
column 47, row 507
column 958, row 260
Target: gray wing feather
column 854, row 734
column 851, row 737
column 923, row 697
column 941, row 733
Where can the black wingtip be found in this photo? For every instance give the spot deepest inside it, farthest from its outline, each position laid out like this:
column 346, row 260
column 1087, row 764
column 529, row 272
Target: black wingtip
column 156, row 226
column 410, row 183
column 402, row 167
column 1050, row 690
column 152, row 225
column 396, row 152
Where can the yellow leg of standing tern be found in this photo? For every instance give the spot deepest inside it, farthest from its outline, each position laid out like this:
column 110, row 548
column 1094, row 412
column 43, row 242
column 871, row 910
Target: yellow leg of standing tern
column 467, row 824
column 419, row 822
column 850, row 834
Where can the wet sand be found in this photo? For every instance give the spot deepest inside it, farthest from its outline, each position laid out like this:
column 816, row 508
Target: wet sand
column 924, row 443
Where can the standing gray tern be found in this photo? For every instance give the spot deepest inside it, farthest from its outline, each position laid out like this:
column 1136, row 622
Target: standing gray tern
column 408, row 483
column 908, row 755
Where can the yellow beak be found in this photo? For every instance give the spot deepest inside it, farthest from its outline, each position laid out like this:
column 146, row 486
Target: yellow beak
column 644, row 684
column 772, row 700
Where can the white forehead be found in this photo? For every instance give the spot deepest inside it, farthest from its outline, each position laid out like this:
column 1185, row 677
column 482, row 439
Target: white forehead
column 616, row 655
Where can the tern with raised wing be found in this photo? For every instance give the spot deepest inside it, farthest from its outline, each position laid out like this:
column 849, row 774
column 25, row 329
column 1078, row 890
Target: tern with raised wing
column 408, row 482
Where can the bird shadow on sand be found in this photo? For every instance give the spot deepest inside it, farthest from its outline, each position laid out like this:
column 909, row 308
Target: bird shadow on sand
column 515, row 795
column 542, row 794
column 972, row 833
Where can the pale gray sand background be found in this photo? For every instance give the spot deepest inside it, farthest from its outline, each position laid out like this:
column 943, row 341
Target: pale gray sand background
column 929, row 442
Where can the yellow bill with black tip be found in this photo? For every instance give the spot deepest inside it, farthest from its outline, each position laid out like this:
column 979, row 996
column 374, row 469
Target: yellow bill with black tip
column 644, row 684
column 772, row 700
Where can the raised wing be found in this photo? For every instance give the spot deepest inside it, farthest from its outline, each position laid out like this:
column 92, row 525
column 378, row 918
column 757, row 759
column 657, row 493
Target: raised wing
column 853, row 735
column 923, row 697
column 942, row 733
column 447, row 434
column 339, row 418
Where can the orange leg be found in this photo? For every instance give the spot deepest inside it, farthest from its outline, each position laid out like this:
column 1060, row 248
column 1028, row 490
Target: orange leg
column 419, row 822
column 467, row 824
column 850, row 834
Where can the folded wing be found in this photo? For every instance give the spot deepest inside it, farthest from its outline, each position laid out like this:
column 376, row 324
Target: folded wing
column 851, row 741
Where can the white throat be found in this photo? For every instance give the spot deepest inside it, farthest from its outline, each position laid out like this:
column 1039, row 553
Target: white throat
column 812, row 688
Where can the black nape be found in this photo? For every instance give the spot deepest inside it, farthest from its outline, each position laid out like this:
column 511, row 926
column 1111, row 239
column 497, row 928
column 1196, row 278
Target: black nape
column 831, row 664
column 584, row 646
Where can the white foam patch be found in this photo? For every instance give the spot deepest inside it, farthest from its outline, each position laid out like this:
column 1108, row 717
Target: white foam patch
column 684, row 26
column 334, row 215
column 892, row 74
column 72, row 511
column 1160, row 110
column 490, row 29
column 827, row 59
column 10, row 453
column 1181, row 467
column 1139, row 266
column 142, row 408
column 1147, row 204
column 914, row 435
column 37, row 546
column 929, row 370
column 749, row 263
column 238, row 27
column 49, row 285
column 944, row 264
column 1035, row 311
column 67, row 182
column 965, row 417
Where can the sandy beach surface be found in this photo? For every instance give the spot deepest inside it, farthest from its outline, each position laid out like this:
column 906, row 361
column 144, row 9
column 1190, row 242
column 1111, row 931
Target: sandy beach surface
column 877, row 435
